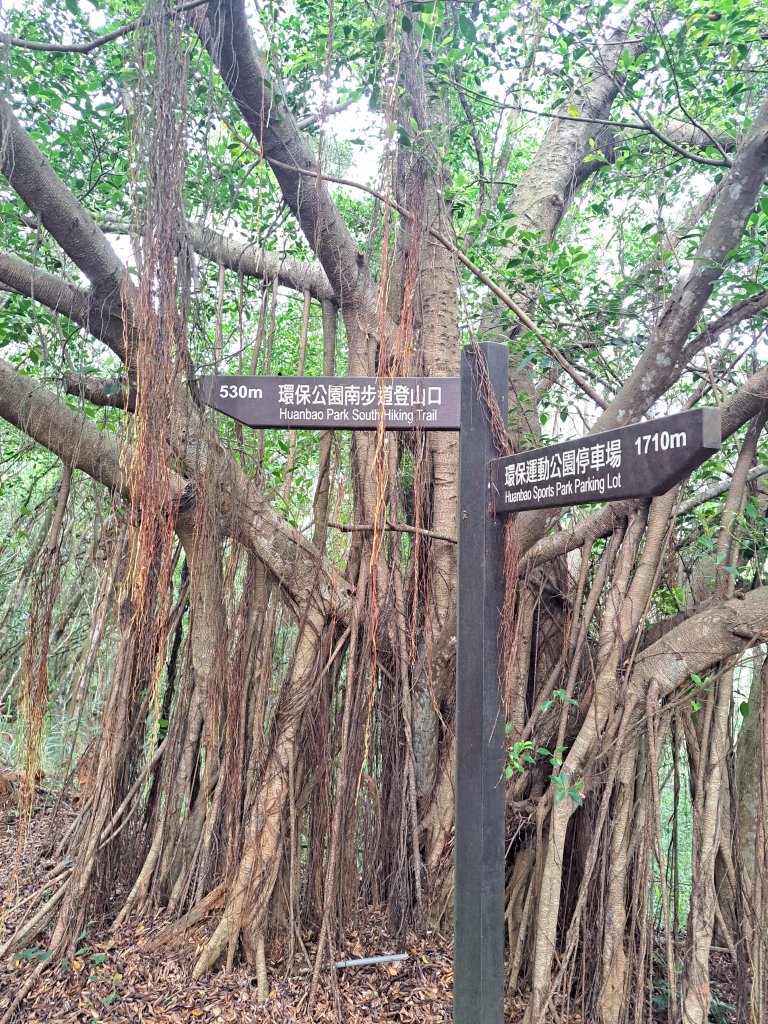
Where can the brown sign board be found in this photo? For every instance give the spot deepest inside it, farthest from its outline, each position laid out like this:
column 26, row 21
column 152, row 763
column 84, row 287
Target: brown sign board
column 337, row 403
column 636, row 461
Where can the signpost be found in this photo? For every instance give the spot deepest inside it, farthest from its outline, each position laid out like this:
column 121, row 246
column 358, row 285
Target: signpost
column 478, row 934
column 336, row 403
column 634, row 461
column 629, row 462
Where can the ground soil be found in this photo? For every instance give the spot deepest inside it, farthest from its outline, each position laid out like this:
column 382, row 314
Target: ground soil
column 125, row 976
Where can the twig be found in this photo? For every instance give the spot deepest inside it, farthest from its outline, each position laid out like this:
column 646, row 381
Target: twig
column 394, row 527
column 707, row 161
column 716, row 489
column 321, row 115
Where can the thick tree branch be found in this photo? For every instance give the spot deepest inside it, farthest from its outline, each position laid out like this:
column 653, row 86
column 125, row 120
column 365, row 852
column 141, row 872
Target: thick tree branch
column 246, row 258
column 500, row 293
column 692, row 648
column 243, row 512
column 549, row 185
column 663, row 360
column 101, row 391
column 246, row 513
column 53, row 291
column 62, row 297
column 34, row 180
column 28, row 405
column 228, row 38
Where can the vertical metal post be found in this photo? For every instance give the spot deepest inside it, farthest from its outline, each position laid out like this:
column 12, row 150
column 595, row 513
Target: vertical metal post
column 478, row 986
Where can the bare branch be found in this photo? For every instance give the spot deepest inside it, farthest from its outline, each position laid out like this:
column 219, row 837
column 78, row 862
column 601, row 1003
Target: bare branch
column 94, row 44
column 394, row 528
column 715, row 490
column 321, row 115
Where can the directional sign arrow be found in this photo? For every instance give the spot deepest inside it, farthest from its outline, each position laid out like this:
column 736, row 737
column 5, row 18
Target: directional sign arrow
column 337, row 403
column 637, row 461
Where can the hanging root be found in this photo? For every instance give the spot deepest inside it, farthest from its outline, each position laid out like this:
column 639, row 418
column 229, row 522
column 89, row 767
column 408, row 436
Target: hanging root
column 23, row 992
column 26, row 932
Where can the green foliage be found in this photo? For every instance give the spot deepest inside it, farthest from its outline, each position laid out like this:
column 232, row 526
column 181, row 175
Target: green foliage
column 558, row 695
column 564, row 789
column 519, row 756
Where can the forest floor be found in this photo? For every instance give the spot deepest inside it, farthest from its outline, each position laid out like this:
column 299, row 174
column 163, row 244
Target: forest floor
column 123, row 976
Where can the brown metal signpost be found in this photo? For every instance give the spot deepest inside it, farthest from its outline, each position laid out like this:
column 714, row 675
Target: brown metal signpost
column 634, row 461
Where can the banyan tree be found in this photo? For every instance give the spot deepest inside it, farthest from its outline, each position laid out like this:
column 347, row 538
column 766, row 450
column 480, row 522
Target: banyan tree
column 242, row 642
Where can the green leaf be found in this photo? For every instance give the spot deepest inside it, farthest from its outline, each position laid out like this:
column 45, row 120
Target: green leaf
column 467, row 28
column 744, row 708
column 34, row 953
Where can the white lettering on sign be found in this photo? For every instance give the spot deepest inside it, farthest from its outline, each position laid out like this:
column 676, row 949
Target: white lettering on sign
column 239, row 391
column 414, row 396
column 573, row 463
column 660, row 441
column 337, row 403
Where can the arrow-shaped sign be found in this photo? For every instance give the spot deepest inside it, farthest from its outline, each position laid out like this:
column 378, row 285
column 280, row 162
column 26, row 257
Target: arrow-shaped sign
column 336, row 403
column 637, row 461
